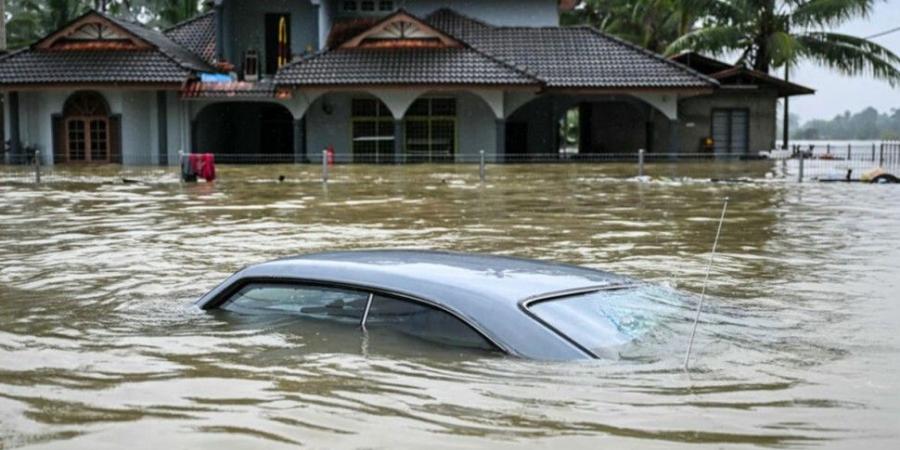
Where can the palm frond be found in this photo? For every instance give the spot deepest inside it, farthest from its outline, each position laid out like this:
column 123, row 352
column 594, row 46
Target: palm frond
column 714, row 40
column 851, row 55
column 820, row 13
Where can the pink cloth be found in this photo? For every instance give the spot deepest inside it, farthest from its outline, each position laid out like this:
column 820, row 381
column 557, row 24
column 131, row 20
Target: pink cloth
column 204, row 165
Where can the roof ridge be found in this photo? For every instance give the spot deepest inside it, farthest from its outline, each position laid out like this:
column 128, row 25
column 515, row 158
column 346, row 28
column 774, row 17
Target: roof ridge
column 186, row 22
column 174, row 58
column 647, row 52
column 508, row 64
column 9, row 55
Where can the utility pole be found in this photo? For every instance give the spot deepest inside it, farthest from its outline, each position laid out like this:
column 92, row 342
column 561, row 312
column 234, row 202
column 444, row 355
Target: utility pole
column 786, row 118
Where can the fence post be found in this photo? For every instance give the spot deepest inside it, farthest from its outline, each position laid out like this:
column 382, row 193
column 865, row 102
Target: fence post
column 181, row 166
column 873, row 151
column 848, row 151
column 641, row 162
column 481, row 166
column 37, row 166
column 800, row 170
column 324, row 166
column 881, row 155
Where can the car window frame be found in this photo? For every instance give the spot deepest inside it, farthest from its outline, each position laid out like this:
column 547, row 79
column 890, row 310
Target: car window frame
column 225, row 295
column 527, row 303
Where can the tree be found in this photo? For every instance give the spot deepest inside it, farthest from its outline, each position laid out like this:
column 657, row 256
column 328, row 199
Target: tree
column 652, row 24
column 175, row 11
column 769, row 34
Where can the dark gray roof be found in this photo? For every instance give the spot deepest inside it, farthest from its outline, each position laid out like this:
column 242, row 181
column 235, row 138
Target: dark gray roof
column 181, row 55
column 197, row 35
column 571, row 56
column 401, row 66
column 484, row 290
column 88, row 67
column 168, row 62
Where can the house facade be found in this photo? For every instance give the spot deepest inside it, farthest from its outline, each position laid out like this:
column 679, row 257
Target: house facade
column 377, row 81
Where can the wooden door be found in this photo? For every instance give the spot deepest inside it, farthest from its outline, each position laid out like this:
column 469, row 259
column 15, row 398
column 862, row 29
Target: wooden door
column 87, row 139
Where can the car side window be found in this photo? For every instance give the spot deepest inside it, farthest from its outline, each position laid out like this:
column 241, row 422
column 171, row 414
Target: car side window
column 423, row 321
column 343, row 305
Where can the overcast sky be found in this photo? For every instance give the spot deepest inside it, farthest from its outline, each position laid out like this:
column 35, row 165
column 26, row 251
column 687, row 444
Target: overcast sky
column 836, row 93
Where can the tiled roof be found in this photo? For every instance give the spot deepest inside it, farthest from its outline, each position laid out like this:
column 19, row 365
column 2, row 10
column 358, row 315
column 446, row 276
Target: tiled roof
column 738, row 75
column 89, row 67
column 197, row 35
column 167, row 46
column 400, row 66
column 571, row 56
column 167, row 62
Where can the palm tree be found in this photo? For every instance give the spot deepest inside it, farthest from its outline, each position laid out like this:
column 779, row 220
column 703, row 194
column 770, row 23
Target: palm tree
column 769, row 34
column 652, row 24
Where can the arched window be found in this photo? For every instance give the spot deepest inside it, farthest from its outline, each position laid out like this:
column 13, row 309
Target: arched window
column 86, row 133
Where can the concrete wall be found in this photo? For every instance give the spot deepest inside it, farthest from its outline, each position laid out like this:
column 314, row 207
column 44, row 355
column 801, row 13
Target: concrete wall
column 695, row 114
column 475, row 126
column 140, row 127
column 496, row 12
column 245, row 27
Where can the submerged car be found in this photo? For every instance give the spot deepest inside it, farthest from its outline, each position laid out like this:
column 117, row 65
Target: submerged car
column 526, row 308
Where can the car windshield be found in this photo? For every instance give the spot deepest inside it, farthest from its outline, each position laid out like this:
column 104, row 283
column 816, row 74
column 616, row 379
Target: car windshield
column 600, row 320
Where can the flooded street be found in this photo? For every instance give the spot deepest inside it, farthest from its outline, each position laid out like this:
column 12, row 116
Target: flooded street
column 100, row 345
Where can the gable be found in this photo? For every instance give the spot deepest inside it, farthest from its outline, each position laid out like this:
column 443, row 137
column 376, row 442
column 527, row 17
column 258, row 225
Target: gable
column 92, row 31
column 401, row 30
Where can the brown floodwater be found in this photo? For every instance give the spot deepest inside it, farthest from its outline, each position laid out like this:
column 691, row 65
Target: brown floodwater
column 100, row 346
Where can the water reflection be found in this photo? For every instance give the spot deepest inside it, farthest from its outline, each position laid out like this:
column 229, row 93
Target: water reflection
column 99, row 342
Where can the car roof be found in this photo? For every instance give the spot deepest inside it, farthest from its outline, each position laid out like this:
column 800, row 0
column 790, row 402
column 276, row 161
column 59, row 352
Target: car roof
column 425, row 273
column 485, row 290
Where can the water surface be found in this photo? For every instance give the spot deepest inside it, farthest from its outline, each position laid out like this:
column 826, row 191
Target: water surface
column 101, row 347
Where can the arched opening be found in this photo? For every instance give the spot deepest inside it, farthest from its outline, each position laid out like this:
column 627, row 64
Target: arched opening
column 245, row 132
column 86, row 130
column 430, row 129
column 584, row 127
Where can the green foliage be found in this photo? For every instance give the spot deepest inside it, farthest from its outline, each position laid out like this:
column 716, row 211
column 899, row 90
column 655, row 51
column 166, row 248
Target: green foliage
column 867, row 124
column 30, row 20
column 765, row 34
column 652, row 24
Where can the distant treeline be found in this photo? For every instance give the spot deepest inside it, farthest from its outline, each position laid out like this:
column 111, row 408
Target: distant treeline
column 867, row 124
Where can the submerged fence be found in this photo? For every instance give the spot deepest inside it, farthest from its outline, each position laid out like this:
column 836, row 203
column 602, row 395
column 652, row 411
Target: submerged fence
column 845, row 162
column 822, row 162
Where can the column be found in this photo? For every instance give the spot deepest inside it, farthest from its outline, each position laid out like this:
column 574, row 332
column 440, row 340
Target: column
column 500, row 150
column 15, row 144
column 674, row 136
column 300, row 140
column 398, row 141
column 162, row 119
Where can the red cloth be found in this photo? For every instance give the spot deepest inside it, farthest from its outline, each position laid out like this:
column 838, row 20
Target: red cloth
column 203, row 165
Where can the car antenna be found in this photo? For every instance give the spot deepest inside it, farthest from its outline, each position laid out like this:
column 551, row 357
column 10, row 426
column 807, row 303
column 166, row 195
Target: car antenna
column 687, row 355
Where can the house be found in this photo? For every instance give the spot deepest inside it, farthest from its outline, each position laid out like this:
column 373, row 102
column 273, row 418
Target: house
column 740, row 116
column 376, row 81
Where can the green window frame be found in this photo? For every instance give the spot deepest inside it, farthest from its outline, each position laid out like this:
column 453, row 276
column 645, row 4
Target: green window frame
column 431, row 131
column 372, row 131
